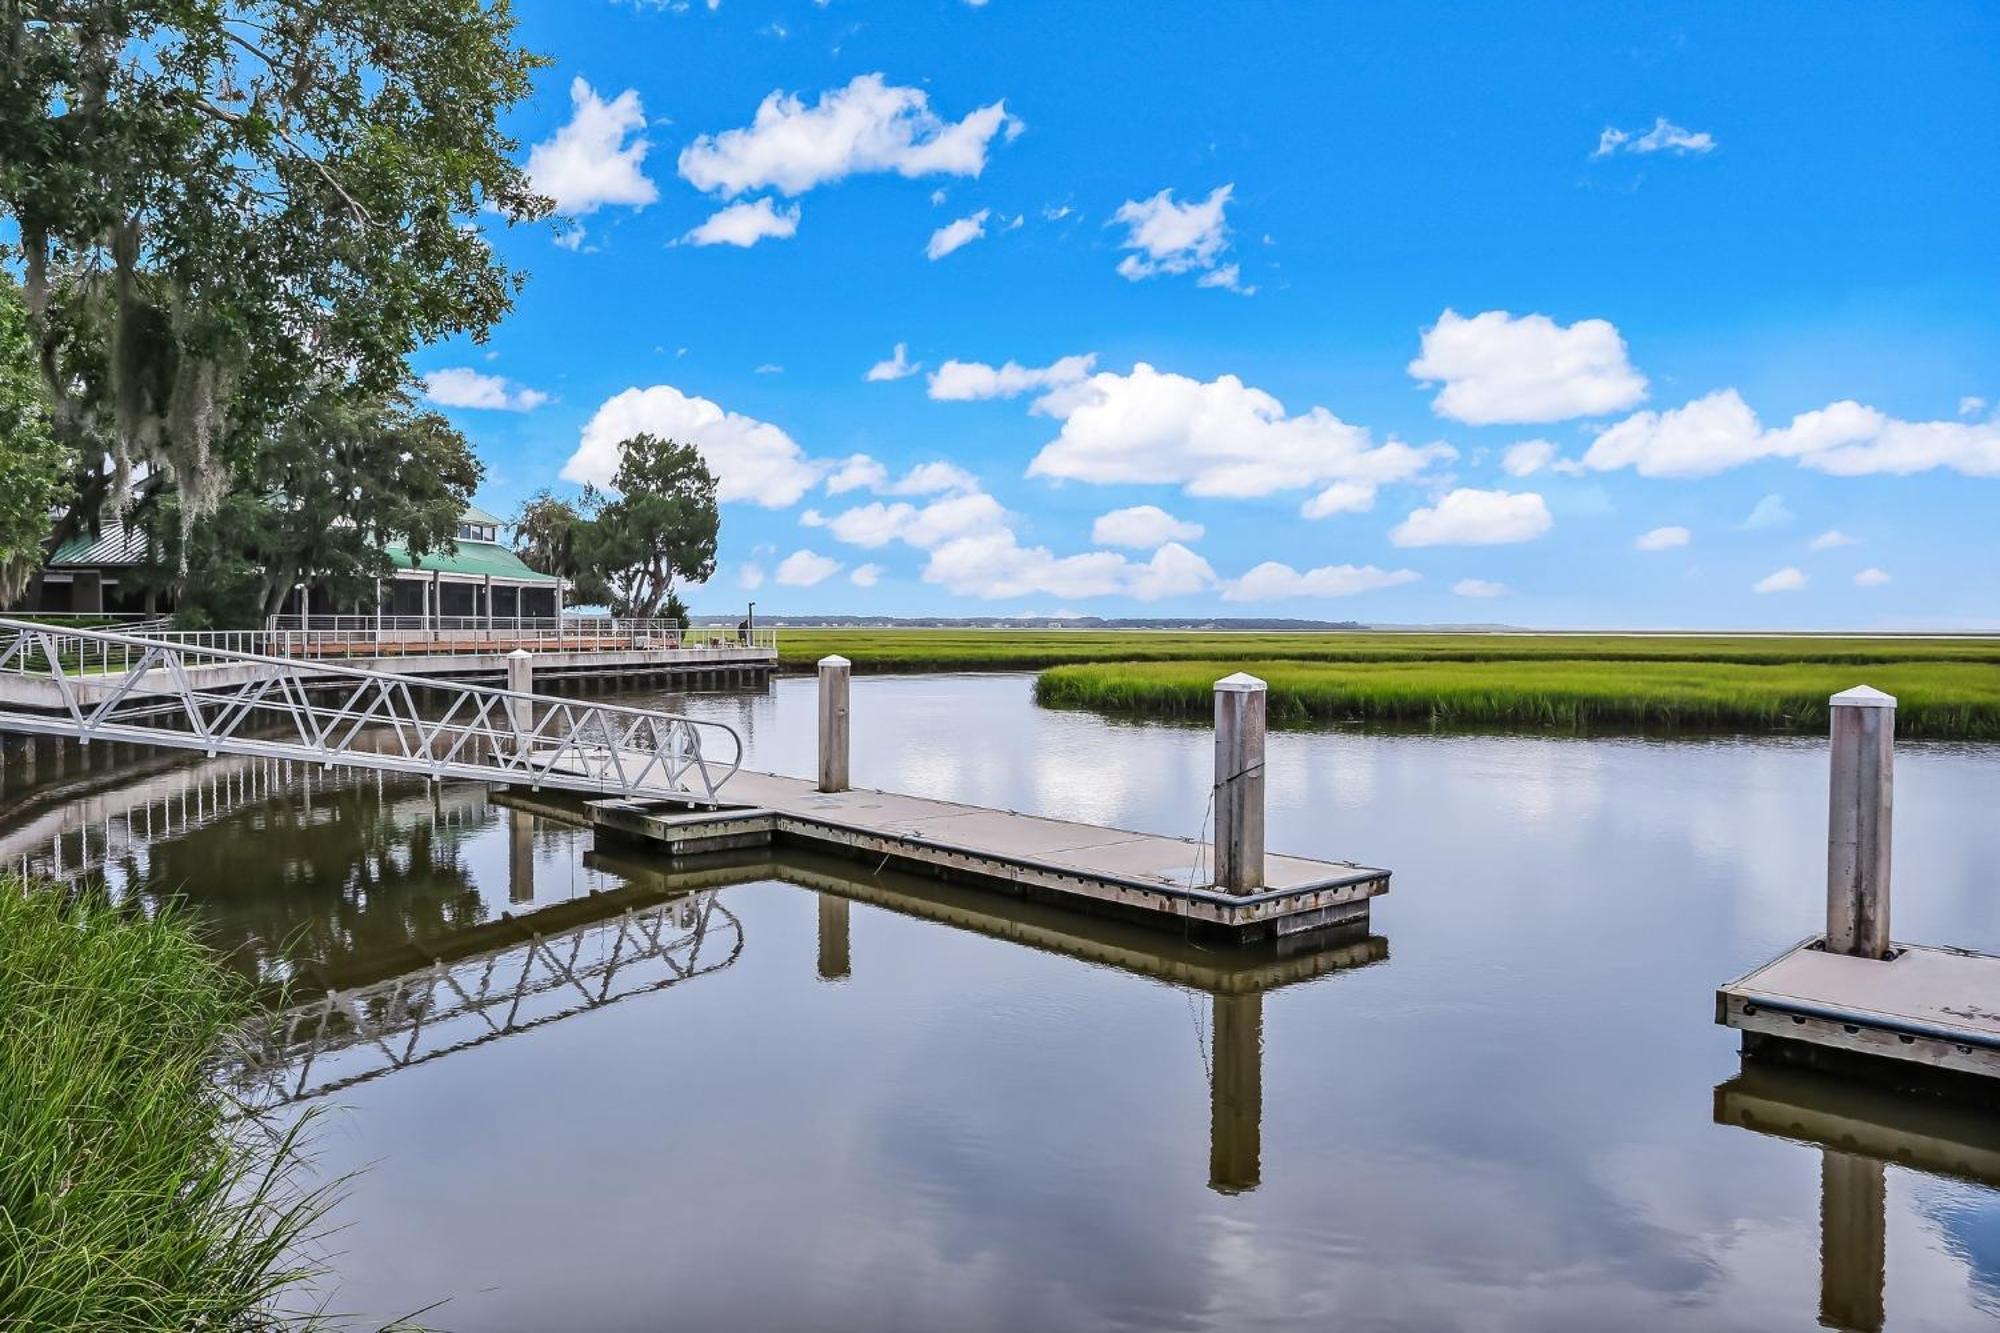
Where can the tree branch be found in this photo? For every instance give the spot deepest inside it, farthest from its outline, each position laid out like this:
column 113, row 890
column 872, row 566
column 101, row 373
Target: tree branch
column 361, row 214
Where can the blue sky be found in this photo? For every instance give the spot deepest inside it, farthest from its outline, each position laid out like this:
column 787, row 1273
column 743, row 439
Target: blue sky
column 1290, row 295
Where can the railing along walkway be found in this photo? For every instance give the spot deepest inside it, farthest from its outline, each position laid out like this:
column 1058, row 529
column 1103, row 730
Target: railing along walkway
column 63, row 682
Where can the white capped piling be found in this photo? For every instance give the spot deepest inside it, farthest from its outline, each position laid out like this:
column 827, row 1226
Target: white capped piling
column 1239, row 783
column 1858, row 822
column 833, row 678
column 521, row 680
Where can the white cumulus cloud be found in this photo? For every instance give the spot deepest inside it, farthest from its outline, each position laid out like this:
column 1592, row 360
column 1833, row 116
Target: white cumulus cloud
column 744, row 224
column 803, row 569
column 995, row 564
column 463, row 387
column 1497, row 368
column 868, row 126
column 1527, row 458
column 860, row 472
column 1272, row 581
column 956, row 235
column 1829, row 539
column 856, row 472
column 1480, row 588
column 898, row 366
column 1769, row 512
column 1719, row 431
column 931, row 478
column 1469, row 517
column 973, row 551
column 1664, row 137
column 1663, row 539
column 1218, row 437
column 1142, row 527
column 594, row 159
column 865, row 576
column 962, row 381
column 1788, row 579
column 1871, row 578
column 753, row 460
column 1169, row 237
column 1343, row 497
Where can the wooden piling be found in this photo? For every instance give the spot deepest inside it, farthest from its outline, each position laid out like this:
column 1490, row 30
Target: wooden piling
column 1239, row 783
column 1858, row 823
column 833, row 680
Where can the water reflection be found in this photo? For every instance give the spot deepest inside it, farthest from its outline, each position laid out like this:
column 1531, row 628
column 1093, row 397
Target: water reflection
column 1233, row 981
column 913, row 1111
column 1860, row 1131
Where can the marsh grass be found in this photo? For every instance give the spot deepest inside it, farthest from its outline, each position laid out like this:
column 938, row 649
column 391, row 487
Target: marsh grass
column 128, row 1198
column 1957, row 700
column 994, row 650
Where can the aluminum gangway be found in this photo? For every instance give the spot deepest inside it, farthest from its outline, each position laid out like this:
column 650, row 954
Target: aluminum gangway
column 102, row 685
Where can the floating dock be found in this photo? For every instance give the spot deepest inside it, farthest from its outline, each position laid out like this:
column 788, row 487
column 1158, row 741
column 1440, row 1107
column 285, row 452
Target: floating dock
column 1853, row 1001
column 1227, row 888
column 1165, row 881
column 1935, row 1010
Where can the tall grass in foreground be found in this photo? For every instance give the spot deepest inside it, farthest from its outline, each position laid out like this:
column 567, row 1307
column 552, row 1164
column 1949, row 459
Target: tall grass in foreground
column 127, row 1199
column 1954, row 700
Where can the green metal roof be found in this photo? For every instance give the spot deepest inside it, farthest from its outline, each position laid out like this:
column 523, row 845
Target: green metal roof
column 474, row 514
column 479, row 559
column 114, row 544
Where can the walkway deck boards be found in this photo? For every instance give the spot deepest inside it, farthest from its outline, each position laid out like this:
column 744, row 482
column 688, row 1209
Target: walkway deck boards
column 1130, row 873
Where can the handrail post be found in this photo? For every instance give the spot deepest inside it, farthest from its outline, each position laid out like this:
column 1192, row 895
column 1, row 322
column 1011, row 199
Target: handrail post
column 833, row 681
column 1239, row 783
column 1859, row 822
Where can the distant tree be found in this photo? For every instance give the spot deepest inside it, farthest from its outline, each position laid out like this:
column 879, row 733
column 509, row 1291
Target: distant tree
column 549, row 534
column 219, row 205
column 317, row 503
column 631, row 551
column 661, row 529
column 33, row 464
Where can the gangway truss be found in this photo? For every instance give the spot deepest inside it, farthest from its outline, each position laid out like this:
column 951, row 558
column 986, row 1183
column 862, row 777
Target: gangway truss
column 102, row 685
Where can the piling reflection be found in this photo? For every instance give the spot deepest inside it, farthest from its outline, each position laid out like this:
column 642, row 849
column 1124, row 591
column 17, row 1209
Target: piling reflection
column 834, row 963
column 1234, row 980
column 1860, row 1131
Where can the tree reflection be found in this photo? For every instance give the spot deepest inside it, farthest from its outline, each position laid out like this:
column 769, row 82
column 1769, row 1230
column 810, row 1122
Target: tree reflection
column 352, row 873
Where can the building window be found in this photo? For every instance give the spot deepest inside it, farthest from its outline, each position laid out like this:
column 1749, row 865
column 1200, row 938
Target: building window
column 478, row 532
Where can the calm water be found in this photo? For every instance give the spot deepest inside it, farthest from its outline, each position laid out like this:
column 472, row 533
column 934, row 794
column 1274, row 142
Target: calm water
column 763, row 1105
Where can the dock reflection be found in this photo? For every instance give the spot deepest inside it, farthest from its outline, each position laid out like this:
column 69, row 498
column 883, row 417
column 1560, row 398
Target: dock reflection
column 1235, row 979
column 1860, row 1132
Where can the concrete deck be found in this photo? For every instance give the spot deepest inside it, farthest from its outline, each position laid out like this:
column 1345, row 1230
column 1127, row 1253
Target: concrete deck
column 1164, row 880
column 1937, row 1009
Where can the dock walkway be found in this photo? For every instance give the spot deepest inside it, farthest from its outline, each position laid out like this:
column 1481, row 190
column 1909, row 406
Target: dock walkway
column 1166, row 880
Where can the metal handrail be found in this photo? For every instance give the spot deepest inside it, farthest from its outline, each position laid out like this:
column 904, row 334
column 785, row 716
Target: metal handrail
column 412, row 636
column 227, row 701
